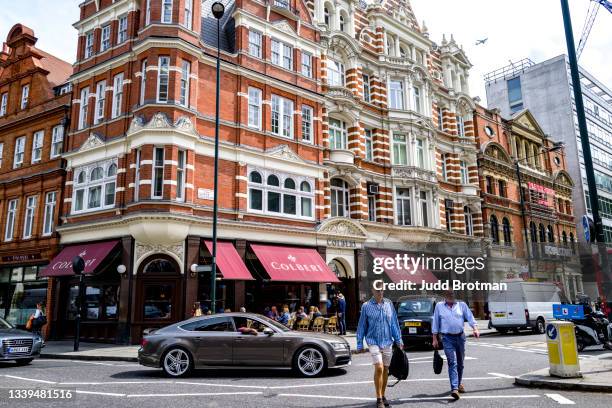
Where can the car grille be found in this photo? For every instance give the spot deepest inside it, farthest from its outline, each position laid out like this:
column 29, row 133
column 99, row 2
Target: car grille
column 17, row 343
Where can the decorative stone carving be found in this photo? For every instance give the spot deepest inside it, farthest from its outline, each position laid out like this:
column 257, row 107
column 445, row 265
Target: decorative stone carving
column 136, row 124
column 284, row 27
column 93, row 141
column 284, row 152
column 143, row 250
column 185, row 124
column 159, row 121
column 342, row 227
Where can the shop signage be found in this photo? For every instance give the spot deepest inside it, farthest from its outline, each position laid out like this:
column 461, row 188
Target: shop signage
column 341, row 243
column 20, row 258
column 206, row 194
column 557, row 251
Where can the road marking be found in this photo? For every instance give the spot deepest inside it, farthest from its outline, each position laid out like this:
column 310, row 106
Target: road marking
column 110, row 394
column 194, row 394
column 328, row 397
column 30, row 379
column 116, row 382
column 467, row 397
column 501, row 375
column 560, row 399
column 262, row 387
column 104, row 364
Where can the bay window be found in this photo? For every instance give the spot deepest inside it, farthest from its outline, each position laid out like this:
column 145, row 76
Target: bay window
column 420, row 153
column 335, row 73
column 180, row 176
column 166, row 16
column 143, row 80
column 400, row 150
column 157, row 189
column 340, row 202
column 185, row 73
column 94, row 187
column 280, row 194
column 338, row 136
column 163, row 76
column 396, row 94
column 188, row 15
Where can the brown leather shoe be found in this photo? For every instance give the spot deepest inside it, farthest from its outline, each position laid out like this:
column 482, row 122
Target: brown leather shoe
column 461, row 389
column 380, row 403
column 455, row 394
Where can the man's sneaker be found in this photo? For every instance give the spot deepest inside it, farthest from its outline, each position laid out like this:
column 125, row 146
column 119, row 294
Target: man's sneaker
column 380, row 403
column 461, row 389
column 385, row 402
column 454, row 394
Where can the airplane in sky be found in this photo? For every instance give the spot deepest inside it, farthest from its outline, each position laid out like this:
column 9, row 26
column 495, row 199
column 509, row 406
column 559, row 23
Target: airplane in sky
column 483, row 41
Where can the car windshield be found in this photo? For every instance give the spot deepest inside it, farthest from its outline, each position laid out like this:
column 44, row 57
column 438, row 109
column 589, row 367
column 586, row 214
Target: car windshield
column 4, row 324
column 415, row 307
column 274, row 323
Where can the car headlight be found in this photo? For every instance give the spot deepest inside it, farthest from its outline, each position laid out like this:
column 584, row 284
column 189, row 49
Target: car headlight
column 339, row 346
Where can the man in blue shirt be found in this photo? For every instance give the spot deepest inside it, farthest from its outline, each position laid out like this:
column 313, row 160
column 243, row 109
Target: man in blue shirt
column 448, row 320
column 379, row 326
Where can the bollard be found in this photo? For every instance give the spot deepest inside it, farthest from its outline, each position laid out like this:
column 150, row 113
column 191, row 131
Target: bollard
column 562, row 351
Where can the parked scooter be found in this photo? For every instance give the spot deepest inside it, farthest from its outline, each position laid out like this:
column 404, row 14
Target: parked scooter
column 593, row 330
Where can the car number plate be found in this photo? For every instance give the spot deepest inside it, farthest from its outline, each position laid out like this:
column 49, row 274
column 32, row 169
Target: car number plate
column 500, row 315
column 18, row 349
column 412, row 324
column 412, row 330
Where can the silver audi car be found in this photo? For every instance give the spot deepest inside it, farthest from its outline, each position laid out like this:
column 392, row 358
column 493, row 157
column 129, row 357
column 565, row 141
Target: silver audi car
column 18, row 345
column 240, row 340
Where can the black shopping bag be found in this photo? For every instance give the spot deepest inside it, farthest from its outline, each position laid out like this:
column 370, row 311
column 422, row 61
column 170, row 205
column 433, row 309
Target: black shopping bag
column 437, row 362
column 399, row 367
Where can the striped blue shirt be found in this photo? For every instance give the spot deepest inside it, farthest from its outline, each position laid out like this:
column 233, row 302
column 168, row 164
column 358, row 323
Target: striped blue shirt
column 378, row 324
column 450, row 320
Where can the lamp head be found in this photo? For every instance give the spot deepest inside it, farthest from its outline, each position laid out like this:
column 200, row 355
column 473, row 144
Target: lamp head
column 218, row 9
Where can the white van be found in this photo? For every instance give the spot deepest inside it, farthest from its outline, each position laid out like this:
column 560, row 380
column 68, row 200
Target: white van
column 525, row 305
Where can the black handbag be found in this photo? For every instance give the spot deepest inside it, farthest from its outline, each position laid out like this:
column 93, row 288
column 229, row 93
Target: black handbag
column 437, row 362
column 399, row 367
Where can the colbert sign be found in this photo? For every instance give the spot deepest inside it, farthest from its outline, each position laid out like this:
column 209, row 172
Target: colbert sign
column 341, row 243
column 92, row 254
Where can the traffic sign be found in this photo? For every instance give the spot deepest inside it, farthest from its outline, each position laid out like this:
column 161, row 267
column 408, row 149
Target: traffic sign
column 551, row 331
column 586, row 228
column 568, row 311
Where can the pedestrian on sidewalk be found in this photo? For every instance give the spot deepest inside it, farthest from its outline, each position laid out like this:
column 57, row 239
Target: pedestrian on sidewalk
column 379, row 326
column 341, row 313
column 448, row 321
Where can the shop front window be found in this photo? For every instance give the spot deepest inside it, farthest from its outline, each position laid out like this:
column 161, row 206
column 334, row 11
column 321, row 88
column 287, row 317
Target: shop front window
column 101, row 302
column 158, row 302
column 20, row 291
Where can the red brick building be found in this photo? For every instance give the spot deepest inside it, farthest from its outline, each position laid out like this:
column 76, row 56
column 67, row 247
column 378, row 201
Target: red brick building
column 547, row 220
column 34, row 108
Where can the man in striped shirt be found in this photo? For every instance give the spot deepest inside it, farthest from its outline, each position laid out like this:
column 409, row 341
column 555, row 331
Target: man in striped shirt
column 379, row 326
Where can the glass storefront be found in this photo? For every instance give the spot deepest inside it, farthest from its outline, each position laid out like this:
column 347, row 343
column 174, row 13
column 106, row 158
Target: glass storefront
column 20, row 291
column 101, row 302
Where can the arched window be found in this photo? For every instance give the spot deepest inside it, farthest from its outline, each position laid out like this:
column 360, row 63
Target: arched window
column 96, row 191
column 542, row 233
column 305, row 186
column 494, row 225
column 273, row 180
column 533, row 232
column 551, row 234
column 337, row 134
column 339, row 198
column 255, row 177
column 160, row 265
column 564, row 237
column 290, row 184
column 506, row 231
column 96, row 174
column 390, row 46
column 571, row 237
column 81, row 177
column 326, row 16
column 342, row 22
column 112, row 170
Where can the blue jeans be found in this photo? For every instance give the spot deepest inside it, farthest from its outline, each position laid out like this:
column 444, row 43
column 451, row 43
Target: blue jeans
column 454, row 348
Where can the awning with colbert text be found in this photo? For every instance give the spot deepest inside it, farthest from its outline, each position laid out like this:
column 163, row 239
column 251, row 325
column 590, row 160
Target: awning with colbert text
column 92, row 254
column 397, row 275
column 290, row 264
column 229, row 262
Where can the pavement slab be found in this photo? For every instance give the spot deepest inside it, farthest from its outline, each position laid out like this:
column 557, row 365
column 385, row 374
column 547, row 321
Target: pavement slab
column 596, row 376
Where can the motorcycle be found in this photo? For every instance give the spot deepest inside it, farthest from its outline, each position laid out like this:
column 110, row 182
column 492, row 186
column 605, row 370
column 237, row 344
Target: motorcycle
column 593, row 330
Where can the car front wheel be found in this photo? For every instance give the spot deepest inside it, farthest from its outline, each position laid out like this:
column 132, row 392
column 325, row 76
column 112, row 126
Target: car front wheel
column 309, row 362
column 177, row 362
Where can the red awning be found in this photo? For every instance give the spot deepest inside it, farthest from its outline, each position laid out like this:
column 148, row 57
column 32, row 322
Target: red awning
column 229, row 262
column 93, row 254
column 290, row 264
column 421, row 274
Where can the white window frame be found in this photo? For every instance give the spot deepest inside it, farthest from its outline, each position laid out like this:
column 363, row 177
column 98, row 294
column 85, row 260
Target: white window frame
column 137, row 174
column 28, row 220
column 122, row 26
column 306, row 64
column 336, row 76
column 300, row 194
column 463, row 172
column 49, row 214
column 188, row 14
column 89, row 44
column 460, row 126
column 105, row 38
column 180, row 175
column 443, row 159
column 307, row 124
column 117, row 95
column 417, row 100
column 469, row 221
column 148, row 12
column 163, row 74
column 338, row 134
column 282, row 113
column 57, row 141
column 396, row 94
column 100, row 102
column 255, row 40
column 105, row 183
column 372, row 207
column 369, row 144
column 157, row 173
column 25, row 96
column 282, row 54
column 143, row 80
column 166, row 12
column 440, row 118
column 425, row 211
column 19, row 156
column 420, row 158
column 254, row 108
column 367, row 90
column 11, row 218
column 403, row 203
column 185, row 83
column 400, row 145
column 83, row 106
column 3, row 103
column 38, row 140
column 340, row 209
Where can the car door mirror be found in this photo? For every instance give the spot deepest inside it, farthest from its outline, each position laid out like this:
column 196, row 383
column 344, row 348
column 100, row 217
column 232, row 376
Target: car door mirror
column 268, row 331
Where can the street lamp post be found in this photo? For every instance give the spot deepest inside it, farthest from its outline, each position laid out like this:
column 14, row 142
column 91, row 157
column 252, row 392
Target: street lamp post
column 517, row 169
column 218, row 9
column 78, row 265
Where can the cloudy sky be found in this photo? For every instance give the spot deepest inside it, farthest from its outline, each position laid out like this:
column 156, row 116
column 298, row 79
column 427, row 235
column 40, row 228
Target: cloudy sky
column 516, row 29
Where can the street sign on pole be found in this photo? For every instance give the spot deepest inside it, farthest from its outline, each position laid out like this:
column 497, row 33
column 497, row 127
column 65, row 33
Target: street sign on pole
column 586, row 227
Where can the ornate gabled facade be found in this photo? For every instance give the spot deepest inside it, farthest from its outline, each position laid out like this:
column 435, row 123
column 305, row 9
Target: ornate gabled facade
column 545, row 222
column 34, row 109
column 397, row 125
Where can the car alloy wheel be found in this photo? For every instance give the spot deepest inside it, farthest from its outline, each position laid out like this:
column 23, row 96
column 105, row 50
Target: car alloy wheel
column 177, row 362
column 310, row 362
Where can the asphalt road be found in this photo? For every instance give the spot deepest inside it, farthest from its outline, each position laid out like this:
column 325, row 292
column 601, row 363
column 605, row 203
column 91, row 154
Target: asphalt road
column 491, row 364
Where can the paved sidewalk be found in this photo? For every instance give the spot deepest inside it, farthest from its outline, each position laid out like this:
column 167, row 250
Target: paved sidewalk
column 596, row 376
column 100, row 351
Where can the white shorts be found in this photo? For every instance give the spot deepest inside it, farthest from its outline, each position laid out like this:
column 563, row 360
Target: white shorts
column 381, row 356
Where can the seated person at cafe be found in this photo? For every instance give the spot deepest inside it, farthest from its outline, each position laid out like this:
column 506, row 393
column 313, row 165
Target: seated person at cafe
column 284, row 318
